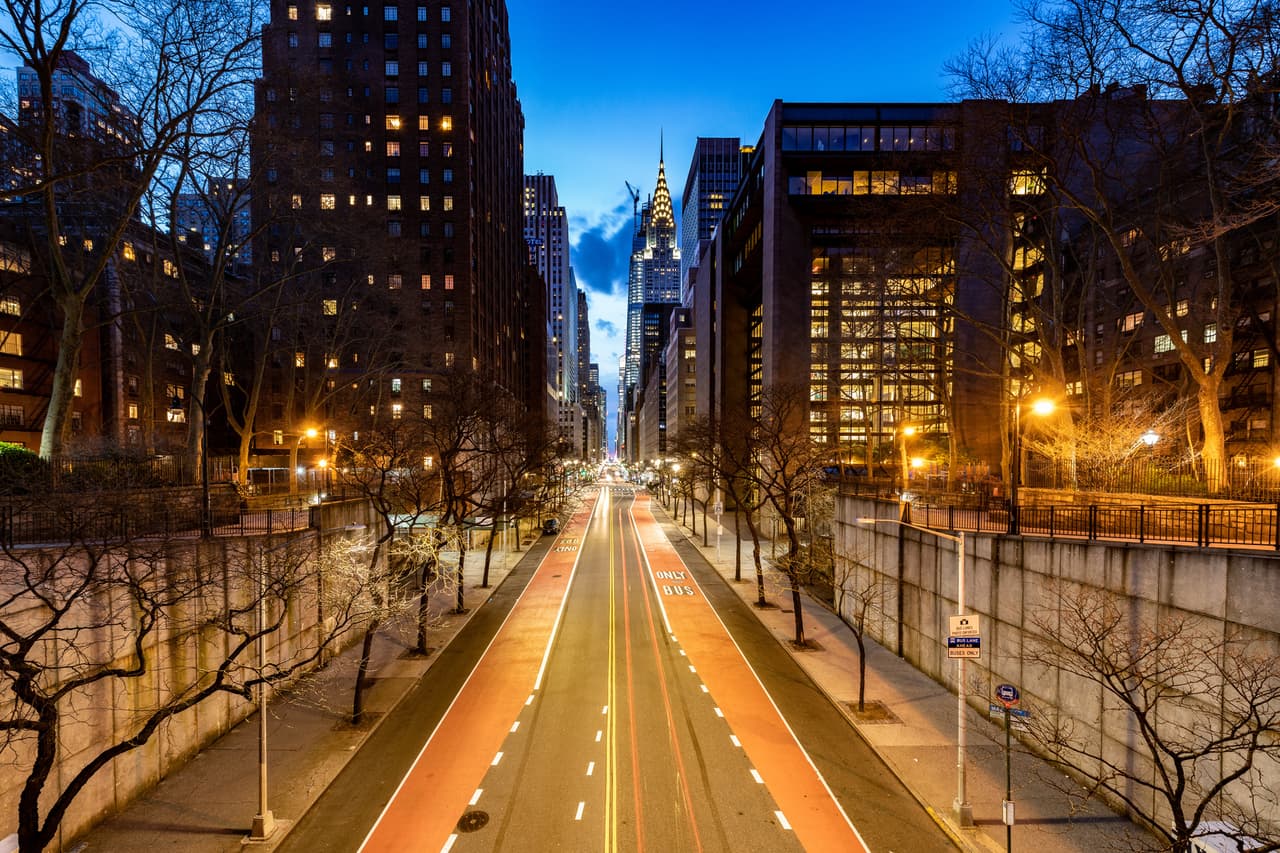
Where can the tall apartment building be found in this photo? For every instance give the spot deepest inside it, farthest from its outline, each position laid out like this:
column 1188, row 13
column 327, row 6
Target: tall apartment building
column 546, row 230
column 203, row 216
column 389, row 150
column 714, row 172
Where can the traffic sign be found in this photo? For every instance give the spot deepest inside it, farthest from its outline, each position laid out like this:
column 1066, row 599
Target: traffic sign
column 964, row 647
column 963, row 626
column 717, row 509
column 1007, row 694
column 1013, row 712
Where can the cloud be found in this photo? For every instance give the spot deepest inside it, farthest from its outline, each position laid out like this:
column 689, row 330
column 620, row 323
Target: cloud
column 602, row 254
column 607, row 328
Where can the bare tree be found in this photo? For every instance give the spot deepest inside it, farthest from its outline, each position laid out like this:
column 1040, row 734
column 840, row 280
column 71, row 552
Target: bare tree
column 1169, row 164
column 172, row 66
column 114, row 611
column 788, row 466
column 1197, row 712
column 859, row 597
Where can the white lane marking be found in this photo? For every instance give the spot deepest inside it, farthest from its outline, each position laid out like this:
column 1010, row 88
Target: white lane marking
column 529, row 701
column 733, row 739
column 475, row 798
column 604, row 710
column 782, row 819
column 448, row 845
column 591, row 768
column 704, row 688
column 582, row 806
column 719, row 713
column 692, row 668
column 598, row 736
column 496, row 759
column 755, row 774
column 515, row 725
column 683, row 654
column 573, row 573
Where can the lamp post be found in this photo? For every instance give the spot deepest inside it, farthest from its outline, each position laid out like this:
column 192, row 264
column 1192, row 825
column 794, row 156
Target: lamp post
column 903, row 434
column 293, row 458
column 264, row 822
column 963, row 810
column 1042, row 407
column 206, row 517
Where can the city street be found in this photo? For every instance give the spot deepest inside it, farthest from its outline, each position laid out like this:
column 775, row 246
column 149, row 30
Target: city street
column 626, row 701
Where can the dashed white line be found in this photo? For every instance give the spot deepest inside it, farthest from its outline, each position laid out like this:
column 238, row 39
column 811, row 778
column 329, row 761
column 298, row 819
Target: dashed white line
column 529, row 701
column 582, row 806
column 782, row 819
column 591, row 768
column 448, row 845
column 604, row 710
column 496, row 759
column 755, row 774
column 515, row 725
column 719, row 713
column 598, row 736
column 692, row 668
column 475, row 798
column 704, row 688
column 682, row 654
column 733, row 739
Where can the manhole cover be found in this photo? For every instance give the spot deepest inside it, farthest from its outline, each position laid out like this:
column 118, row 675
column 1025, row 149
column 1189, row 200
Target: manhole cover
column 471, row 821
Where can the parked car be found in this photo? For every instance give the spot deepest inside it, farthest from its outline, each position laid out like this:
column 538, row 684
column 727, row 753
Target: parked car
column 550, row 527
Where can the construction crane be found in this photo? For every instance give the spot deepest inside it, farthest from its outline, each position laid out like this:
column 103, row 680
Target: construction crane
column 635, row 203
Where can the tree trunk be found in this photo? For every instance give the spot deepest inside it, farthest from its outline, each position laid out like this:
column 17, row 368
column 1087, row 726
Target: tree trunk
column 424, row 601
column 737, row 545
column 488, row 553
column 366, row 649
column 462, row 560
column 862, row 672
column 57, row 419
column 1213, row 451
column 704, row 524
column 796, row 610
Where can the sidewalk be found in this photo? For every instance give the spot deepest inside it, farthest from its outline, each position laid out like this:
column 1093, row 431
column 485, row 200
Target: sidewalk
column 208, row 805
column 911, row 725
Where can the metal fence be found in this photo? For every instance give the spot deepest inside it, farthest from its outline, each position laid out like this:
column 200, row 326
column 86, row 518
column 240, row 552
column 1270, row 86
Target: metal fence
column 1202, row 525
column 69, row 474
column 20, row 526
column 1242, row 479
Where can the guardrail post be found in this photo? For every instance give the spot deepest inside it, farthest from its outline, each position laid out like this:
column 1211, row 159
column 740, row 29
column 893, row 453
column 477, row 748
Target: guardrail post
column 1051, row 521
column 1202, row 525
column 1093, row 522
column 1142, row 519
column 1276, row 526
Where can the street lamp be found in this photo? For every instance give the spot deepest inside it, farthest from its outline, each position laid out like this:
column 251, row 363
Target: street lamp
column 1150, row 437
column 1043, row 407
column 963, row 810
column 904, row 433
column 310, row 432
column 206, row 517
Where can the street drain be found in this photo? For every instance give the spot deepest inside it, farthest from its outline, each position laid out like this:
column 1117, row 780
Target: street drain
column 471, row 821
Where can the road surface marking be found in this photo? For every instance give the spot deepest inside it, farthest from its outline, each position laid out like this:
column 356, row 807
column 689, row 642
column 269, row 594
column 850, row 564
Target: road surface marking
column 529, row 701
column 704, row 688
column 733, row 739
column 581, row 806
column 515, row 726
column 719, row 713
column 448, row 845
column 496, row 759
column 591, row 768
column 475, row 798
column 692, row 668
column 755, row 774
column 599, row 734
column 604, row 710
column 682, row 653
column 782, row 819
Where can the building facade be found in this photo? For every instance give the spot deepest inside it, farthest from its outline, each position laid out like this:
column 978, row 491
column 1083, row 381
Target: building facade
column 714, row 172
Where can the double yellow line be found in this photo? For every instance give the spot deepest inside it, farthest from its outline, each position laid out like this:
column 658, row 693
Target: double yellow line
column 611, row 728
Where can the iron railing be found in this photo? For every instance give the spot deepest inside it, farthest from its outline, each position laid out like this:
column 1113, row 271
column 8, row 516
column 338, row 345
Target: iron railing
column 1202, row 525
column 27, row 526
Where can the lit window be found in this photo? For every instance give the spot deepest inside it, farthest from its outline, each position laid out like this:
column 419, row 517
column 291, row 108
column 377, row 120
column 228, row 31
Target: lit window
column 1210, row 333
column 299, row 359
column 1163, row 344
column 393, row 123
column 296, row 201
column 448, row 282
column 394, row 281
column 277, row 436
column 427, row 412
column 422, row 13
column 1183, row 307
column 446, row 69
column 393, row 202
column 426, row 281
column 328, row 201
column 11, row 377
column 10, row 305
column 77, row 390
column 1131, row 322
column 424, row 202
column 445, row 16
column 1026, row 183
column 426, row 385
column 133, row 411
column 1261, row 358
column 448, row 359
column 128, row 252
column 11, row 343
column 397, row 409
column 446, row 123
column 424, row 123
column 331, row 361
column 328, row 253
column 324, row 12
column 170, row 342
column 395, row 386
column 390, row 13
column 1129, row 379
column 447, row 202
column 1075, row 389
column 292, row 13
column 331, row 307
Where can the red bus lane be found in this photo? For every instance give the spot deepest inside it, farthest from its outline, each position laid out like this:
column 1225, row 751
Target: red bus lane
column 806, row 802
column 423, row 812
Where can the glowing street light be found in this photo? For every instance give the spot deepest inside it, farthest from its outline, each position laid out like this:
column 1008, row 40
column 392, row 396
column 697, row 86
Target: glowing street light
column 1042, row 407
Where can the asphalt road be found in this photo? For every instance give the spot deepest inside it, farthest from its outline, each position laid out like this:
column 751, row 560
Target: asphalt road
column 615, row 694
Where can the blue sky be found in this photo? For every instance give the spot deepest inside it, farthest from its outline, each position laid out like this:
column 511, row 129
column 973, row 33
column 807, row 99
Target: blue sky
column 600, row 82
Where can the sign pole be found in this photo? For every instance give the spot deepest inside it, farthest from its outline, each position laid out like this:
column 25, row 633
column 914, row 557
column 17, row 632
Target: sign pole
column 1008, row 781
